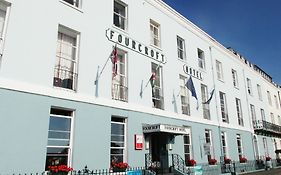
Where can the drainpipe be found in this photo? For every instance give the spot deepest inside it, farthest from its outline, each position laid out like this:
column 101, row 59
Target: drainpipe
column 215, row 94
column 250, row 118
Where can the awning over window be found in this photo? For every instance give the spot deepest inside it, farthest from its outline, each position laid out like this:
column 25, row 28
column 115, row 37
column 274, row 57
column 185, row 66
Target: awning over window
column 176, row 130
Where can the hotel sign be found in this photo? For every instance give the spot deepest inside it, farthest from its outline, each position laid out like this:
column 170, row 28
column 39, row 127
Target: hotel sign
column 165, row 128
column 134, row 45
column 192, row 72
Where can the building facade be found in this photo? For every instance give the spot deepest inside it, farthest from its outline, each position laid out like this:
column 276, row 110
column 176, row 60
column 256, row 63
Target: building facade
column 88, row 83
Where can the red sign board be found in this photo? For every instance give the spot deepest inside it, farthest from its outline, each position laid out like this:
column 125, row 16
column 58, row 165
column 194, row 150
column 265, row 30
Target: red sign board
column 138, row 142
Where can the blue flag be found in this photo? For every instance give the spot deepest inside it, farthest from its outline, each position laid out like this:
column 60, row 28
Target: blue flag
column 189, row 84
column 211, row 96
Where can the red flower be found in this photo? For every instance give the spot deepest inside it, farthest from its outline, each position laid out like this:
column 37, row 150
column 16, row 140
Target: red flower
column 59, row 168
column 268, row 158
column 212, row 161
column 243, row 159
column 227, row 160
column 191, row 162
column 121, row 165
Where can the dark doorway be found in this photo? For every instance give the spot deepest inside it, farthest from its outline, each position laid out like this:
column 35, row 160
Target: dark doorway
column 159, row 150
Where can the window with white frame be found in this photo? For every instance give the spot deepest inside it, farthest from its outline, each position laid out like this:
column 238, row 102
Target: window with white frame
column 208, row 143
column 185, row 104
column 256, row 147
column 253, row 112
column 201, row 58
column 234, row 78
column 239, row 145
column 120, row 15
column 65, row 74
column 187, row 148
column 224, row 144
column 259, row 92
column 272, row 118
column 276, row 102
column 239, row 112
column 118, row 143
column 76, row 3
column 119, row 89
column 4, row 10
column 249, row 87
column 265, row 146
column 181, row 48
column 224, row 112
column 154, row 33
column 157, row 90
column 205, row 106
column 269, row 98
column 59, row 137
column 263, row 115
column 219, row 70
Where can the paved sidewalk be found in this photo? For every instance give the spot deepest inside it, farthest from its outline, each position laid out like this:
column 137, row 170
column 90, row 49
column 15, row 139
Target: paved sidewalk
column 269, row 172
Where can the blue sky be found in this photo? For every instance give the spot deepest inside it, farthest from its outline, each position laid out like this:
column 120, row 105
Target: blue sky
column 251, row 27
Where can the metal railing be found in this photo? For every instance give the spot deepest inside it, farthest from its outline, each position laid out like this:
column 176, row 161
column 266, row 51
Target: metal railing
column 178, row 168
column 64, row 78
column 179, row 165
column 119, row 92
column 263, row 125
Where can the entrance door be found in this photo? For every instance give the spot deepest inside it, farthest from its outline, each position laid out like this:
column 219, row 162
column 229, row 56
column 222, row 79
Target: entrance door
column 159, row 151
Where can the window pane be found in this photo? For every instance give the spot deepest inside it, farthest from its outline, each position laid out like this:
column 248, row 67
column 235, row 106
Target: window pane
column 117, row 129
column 117, row 144
column 59, row 135
column 59, row 123
column 55, row 142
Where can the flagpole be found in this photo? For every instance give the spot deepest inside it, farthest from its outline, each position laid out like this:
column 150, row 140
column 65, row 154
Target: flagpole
column 110, row 56
column 150, row 76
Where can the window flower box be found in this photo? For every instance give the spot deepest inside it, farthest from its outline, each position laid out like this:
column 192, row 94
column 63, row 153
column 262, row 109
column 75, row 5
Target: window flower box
column 243, row 160
column 227, row 160
column 59, row 169
column 212, row 161
column 119, row 167
column 267, row 158
column 191, row 162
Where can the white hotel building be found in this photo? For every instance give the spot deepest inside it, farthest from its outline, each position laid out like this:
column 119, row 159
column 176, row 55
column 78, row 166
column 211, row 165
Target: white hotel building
column 62, row 103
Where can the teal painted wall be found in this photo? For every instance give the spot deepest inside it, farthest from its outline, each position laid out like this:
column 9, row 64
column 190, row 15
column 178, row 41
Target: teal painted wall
column 24, row 121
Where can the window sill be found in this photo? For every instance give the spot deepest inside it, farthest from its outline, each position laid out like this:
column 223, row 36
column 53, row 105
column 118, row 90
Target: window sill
column 182, row 60
column 156, row 47
column 72, row 6
column 202, row 70
column 64, row 89
column 120, row 30
column 221, row 80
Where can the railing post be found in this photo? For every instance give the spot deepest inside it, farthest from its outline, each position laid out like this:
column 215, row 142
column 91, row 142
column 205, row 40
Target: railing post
column 234, row 169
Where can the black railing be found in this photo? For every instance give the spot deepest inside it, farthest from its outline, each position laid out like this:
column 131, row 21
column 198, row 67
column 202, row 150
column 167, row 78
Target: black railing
column 119, row 92
column 64, row 78
column 178, row 164
column 267, row 127
column 178, row 167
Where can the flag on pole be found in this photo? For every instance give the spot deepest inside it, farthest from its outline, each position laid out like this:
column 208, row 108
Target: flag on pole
column 152, row 80
column 211, row 96
column 114, row 59
column 189, row 84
